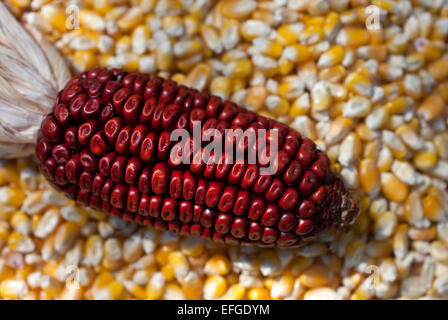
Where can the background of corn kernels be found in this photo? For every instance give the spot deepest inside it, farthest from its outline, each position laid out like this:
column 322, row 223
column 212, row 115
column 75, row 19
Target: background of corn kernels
column 375, row 100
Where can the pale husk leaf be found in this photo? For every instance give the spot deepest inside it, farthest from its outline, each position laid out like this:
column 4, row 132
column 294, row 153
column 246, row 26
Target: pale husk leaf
column 31, row 74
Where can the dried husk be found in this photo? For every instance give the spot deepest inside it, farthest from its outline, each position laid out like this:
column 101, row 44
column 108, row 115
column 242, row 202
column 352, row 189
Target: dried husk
column 31, row 74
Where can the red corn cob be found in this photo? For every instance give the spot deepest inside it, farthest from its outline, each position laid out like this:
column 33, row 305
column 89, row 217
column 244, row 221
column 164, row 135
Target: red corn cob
column 107, row 145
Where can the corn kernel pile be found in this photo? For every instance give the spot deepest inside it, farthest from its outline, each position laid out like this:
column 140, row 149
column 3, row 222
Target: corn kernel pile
column 373, row 97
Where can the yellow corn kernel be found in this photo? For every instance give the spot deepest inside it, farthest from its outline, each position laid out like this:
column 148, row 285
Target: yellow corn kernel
column 214, row 287
column 83, row 60
column 155, row 287
column 439, row 69
column 320, row 97
column 192, row 25
column 358, row 83
column 192, row 286
column 241, row 68
column 425, row 159
column 221, row 86
column 395, row 145
column 283, row 285
column 277, row 105
column 199, row 77
column 339, row 129
column 316, row 276
column 217, row 265
column 369, row 176
column 432, row 208
column 179, row 263
column 331, row 57
column 300, row 106
column 431, row 108
column 393, row 188
column 442, row 91
column 168, row 272
column 352, row 37
column 297, row 53
column 354, row 252
column 192, row 247
column 397, row 105
column 426, row 234
column 164, row 58
column 311, row 34
column 385, row 225
column 331, row 24
column 284, row 66
column 12, row 196
column 258, row 294
column 334, row 75
column 236, row 9
column 91, row 20
column 289, row 33
column 13, row 288
column 20, row 222
column 235, row 292
column 55, row 16
column 133, row 17
column 362, row 224
column 65, row 236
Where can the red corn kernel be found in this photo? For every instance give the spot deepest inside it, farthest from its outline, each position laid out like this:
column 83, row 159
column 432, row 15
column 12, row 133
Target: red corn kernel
column 73, row 169
column 51, row 129
column 239, row 227
column 164, row 145
column 255, row 231
column 43, row 149
column 175, row 189
column 144, row 181
column 228, row 198
column 107, row 113
column 223, row 223
column 133, row 169
column 143, row 206
column 133, row 199
column 59, row 176
column 86, row 131
column 201, row 190
column 270, row 215
column 138, row 134
column 132, row 109
column 287, row 222
column 85, row 181
column 292, row 173
column 62, row 114
column 60, row 153
column 160, row 176
column 123, row 140
column 118, row 168
column 120, row 98
column 155, row 205
column 269, row 235
column 148, row 150
column 241, row 202
column 109, row 90
column 304, row 226
column 118, row 196
column 185, row 211
column 289, row 199
column 91, row 109
column 71, row 138
column 308, row 183
column 275, row 190
column 88, row 160
column 107, row 190
column 105, row 163
column 170, row 116
column 189, row 185
column 48, row 168
column 213, row 194
column 256, row 209
column 98, row 144
column 112, row 128
column 97, row 184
